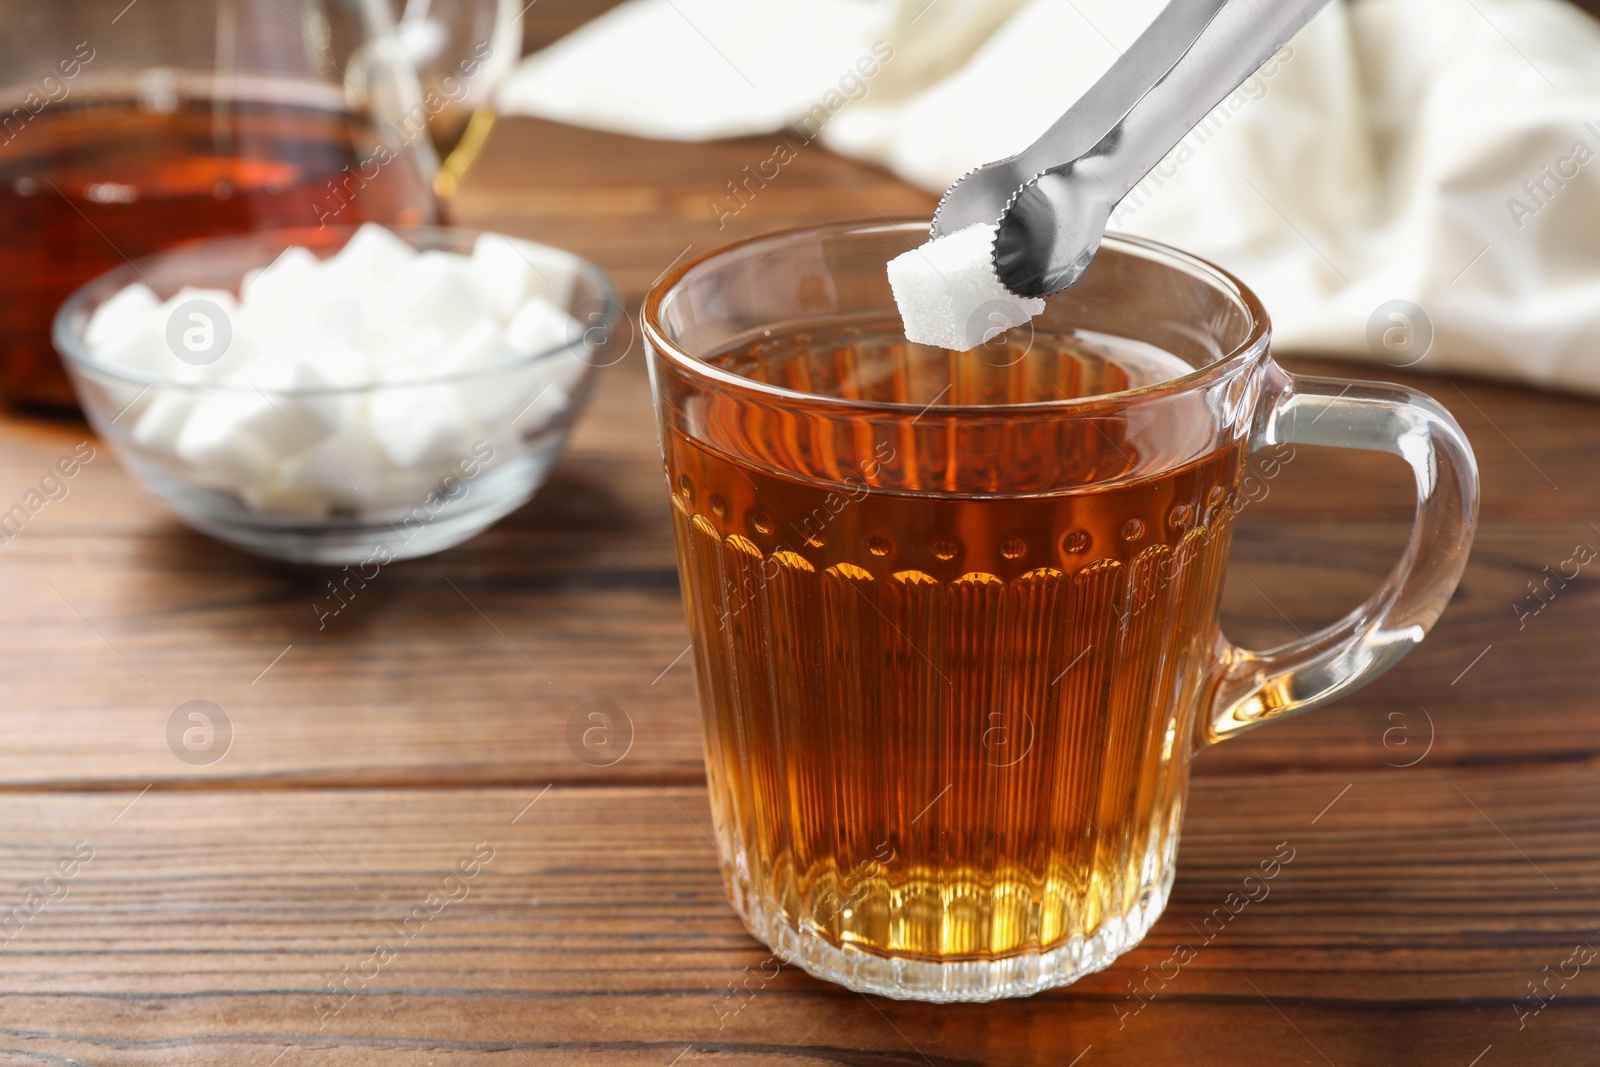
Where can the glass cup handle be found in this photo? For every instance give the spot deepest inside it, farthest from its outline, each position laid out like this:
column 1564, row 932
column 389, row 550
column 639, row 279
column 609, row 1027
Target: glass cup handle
column 1256, row 687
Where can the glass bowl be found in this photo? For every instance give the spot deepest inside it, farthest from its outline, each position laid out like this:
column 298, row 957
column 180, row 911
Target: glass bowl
column 300, row 470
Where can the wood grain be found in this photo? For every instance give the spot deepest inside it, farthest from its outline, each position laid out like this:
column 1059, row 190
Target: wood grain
column 207, row 927
column 125, row 614
column 1444, row 818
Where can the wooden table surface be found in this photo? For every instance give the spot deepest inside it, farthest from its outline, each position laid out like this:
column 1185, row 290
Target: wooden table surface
column 1445, row 821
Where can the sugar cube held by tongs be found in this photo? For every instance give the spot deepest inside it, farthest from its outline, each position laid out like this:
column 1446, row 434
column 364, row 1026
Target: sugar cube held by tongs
column 1045, row 209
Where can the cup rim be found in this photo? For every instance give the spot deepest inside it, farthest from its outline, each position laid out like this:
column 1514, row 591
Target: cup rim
column 72, row 319
column 1254, row 343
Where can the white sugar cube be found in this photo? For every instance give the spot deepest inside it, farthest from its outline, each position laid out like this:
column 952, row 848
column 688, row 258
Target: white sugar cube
column 346, row 467
column 371, row 261
column 409, row 355
column 242, row 433
column 283, row 359
column 484, row 345
column 128, row 311
column 419, row 426
column 539, row 325
column 247, row 352
column 435, row 289
column 949, row 295
column 272, row 296
column 194, row 336
column 350, row 304
column 340, row 317
column 219, row 439
column 296, row 392
column 490, row 397
column 339, row 365
column 511, row 271
column 158, row 427
column 301, row 295
column 143, row 350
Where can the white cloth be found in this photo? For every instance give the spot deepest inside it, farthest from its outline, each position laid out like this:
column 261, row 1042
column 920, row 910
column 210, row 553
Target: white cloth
column 1440, row 152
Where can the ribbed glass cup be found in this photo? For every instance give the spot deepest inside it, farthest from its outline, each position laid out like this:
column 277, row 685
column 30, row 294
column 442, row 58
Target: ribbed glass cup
column 955, row 614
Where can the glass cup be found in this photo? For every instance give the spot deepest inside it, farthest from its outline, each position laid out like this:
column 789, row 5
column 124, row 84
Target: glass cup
column 955, row 614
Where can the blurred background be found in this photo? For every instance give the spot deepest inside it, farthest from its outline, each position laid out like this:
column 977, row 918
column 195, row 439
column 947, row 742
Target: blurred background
column 1406, row 177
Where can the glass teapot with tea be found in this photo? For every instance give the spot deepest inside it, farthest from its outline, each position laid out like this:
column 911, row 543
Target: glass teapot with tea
column 126, row 128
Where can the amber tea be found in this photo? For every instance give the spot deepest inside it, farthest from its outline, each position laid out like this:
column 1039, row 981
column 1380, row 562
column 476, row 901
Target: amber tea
column 939, row 725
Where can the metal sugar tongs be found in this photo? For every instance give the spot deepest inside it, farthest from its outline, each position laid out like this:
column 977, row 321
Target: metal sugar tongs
column 1052, row 200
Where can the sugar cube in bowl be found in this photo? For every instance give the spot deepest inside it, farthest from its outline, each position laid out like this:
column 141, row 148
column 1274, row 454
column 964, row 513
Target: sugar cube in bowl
column 345, row 396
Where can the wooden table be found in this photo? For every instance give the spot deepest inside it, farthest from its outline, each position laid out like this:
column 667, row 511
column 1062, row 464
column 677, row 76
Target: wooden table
column 1445, row 821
